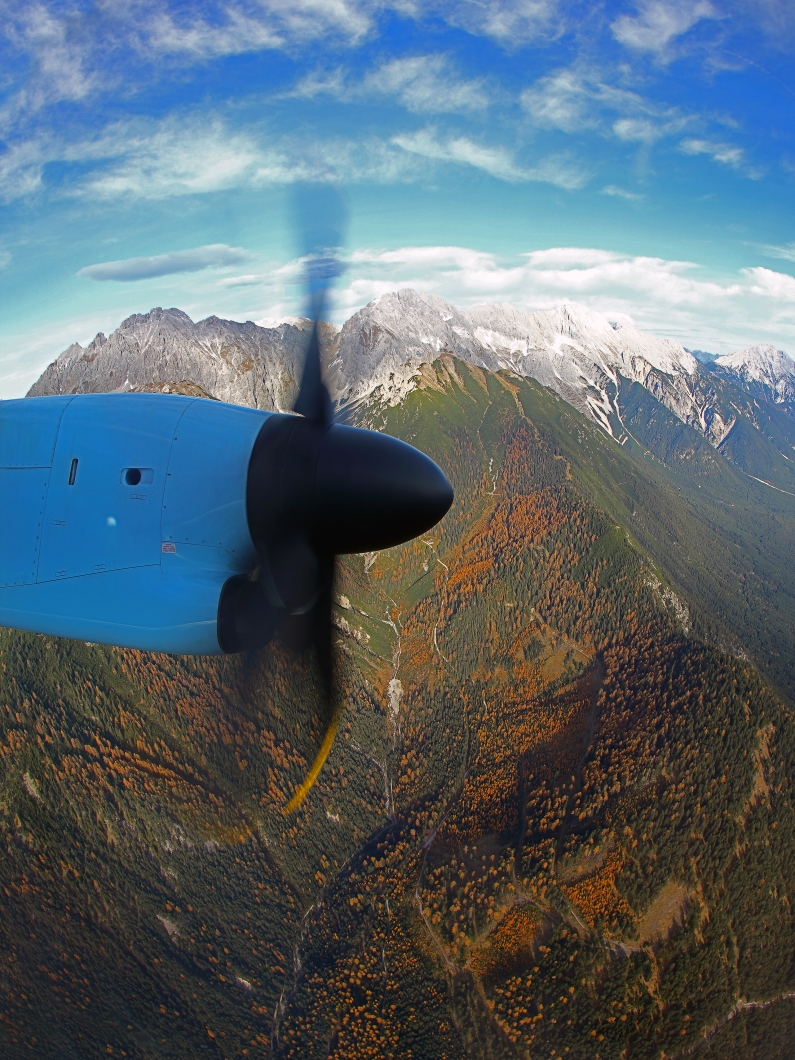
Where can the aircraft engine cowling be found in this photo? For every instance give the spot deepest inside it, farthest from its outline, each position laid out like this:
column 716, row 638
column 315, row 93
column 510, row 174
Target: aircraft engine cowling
column 174, row 524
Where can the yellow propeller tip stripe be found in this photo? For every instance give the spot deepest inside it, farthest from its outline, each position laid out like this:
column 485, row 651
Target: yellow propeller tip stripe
column 305, row 787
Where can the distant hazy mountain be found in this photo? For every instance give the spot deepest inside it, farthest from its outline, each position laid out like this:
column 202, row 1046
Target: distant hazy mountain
column 703, row 356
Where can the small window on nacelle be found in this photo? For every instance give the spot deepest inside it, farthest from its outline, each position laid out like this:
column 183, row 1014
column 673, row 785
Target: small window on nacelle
column 138, row 476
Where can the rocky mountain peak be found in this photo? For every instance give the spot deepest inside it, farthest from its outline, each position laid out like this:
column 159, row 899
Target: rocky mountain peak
column 232, row 361
column 763, row 364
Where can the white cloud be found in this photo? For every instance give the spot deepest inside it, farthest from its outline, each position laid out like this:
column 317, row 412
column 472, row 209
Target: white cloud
column 496, row 161
column 206, row 40
column 192, row 155
column 176, row 157
column 427, row 84
column 214, row 255
column 562, row 170
column 249, row 280
column 424, row 84
column 475, row 269
column 195, row 156
column 149, row 160
column 511, row 23
column 58, row 60
column 622, row 193
column 777, row 285
column 659, row 23
column 333, row 83
column 638, row 130
column 284, row 24
column 727, row 154
column 787, row 252
column 21, row 167
column 493, row 160
column 577, row 98
column 563, row 100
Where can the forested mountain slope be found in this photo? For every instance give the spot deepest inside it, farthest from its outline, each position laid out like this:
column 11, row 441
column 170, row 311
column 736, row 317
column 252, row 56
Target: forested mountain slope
column 557, row 821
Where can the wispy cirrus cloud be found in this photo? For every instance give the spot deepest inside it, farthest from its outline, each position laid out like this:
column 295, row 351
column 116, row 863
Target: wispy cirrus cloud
column 212, row 31
column 726, row 154
column 511, row 23
column 195, row 259
column 561, row 170
column 183, row 156
column 73, row 53
column 621, row 193
column 578, row 98
column 424, row 84
column 56, row 63
column 786, row 252
column 495, row 161
column 193, row 155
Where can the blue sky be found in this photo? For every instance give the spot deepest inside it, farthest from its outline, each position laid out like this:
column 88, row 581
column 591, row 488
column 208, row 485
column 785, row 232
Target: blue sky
column 638, row 157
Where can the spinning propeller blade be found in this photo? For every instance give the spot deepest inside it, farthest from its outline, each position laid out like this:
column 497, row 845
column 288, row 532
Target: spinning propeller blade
column 317, row 489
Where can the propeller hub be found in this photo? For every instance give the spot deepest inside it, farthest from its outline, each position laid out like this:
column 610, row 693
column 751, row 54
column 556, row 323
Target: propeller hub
column 340, row 489
column 373, row 491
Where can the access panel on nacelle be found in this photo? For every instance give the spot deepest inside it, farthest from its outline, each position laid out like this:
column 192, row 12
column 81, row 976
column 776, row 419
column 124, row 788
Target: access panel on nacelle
column 28, row 433
column 204, row 503
column 106, row 485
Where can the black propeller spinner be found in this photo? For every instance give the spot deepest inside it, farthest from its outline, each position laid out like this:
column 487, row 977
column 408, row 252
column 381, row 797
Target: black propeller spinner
column 317, row 489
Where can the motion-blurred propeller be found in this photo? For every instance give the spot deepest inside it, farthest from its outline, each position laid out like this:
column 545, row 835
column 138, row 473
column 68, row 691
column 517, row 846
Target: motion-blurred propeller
column 317, row 489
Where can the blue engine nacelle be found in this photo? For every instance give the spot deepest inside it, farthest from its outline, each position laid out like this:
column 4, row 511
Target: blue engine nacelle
column 123, row 516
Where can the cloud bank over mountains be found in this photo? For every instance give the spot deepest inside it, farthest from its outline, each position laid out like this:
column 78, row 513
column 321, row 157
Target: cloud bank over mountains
column 666, row 298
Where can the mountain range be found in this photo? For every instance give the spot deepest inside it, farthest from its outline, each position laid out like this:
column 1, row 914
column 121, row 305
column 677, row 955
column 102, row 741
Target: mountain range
column 743, row 404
